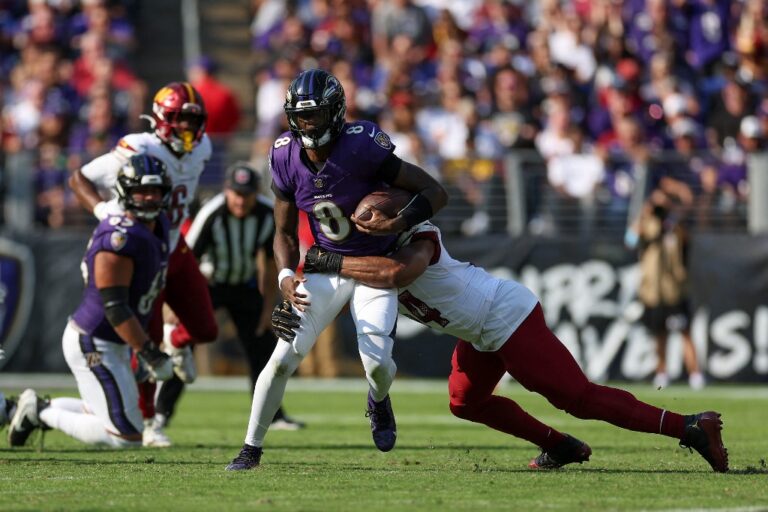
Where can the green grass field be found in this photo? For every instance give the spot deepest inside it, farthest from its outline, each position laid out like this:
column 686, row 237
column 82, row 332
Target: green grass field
column 440, row 463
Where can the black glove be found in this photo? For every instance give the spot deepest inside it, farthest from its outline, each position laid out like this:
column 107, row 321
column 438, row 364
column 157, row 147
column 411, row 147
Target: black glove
column 156, row 362
column 321, row 261
column 284, row 321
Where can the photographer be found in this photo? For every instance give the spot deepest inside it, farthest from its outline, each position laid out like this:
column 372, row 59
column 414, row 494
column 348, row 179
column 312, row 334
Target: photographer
column 663, row 287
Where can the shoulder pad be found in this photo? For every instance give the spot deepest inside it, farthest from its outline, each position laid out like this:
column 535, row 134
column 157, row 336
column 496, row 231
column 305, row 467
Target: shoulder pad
column 205, row 147
column 130, row 145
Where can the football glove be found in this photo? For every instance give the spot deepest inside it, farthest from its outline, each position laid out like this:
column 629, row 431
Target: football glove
column 284, row 321
column 321, row 261
column 156, row 362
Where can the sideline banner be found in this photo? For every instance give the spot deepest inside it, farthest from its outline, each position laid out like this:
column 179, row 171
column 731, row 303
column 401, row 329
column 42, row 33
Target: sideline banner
column 587, row 289
column 33, row 316
column 588, row 292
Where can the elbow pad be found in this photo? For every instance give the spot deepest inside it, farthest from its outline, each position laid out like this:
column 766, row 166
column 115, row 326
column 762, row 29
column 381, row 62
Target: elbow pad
column 116, row 308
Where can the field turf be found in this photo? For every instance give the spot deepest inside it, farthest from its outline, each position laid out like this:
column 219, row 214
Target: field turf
column 439, row 463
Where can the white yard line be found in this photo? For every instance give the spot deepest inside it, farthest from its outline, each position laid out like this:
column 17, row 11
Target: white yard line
column 10, row 382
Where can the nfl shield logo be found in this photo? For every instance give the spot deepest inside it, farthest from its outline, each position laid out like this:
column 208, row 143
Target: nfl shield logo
column 17, row 285
column 319, row 183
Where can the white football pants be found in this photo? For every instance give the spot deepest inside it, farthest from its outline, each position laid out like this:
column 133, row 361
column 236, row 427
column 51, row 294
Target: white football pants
column 374, row 312
column 109, row 412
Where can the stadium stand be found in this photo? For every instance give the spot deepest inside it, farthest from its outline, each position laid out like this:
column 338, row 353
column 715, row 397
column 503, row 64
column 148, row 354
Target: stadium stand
column 569, row 111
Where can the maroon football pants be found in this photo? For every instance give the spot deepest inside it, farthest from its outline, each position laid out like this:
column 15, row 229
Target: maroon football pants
column 186, row 292
column 540, row 362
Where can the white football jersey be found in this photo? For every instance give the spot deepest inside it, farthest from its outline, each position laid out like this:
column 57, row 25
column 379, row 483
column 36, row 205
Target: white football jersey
column 184, row 172
column 463, row 300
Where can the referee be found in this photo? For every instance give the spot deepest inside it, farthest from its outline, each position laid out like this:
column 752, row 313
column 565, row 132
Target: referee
column 232, row 237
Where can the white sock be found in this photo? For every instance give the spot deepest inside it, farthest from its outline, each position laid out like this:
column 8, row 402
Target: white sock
column 68, row 404
column 269, row 390
column 83, row 427
column 379, row 367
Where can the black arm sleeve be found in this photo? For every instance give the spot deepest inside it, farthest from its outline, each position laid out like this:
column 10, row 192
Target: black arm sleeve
column 116, row 308
column 390, row 168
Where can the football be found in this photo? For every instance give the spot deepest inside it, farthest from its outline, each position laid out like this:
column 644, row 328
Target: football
column 388, row 201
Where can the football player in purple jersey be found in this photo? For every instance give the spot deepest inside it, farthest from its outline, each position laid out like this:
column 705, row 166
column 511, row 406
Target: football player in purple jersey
column 124, row 269
column 325, row 166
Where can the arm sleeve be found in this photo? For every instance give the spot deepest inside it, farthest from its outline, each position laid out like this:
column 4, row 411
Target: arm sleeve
column 390, row 168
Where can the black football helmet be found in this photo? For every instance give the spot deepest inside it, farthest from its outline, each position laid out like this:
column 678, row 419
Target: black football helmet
column 316, row 97
column 143, row 170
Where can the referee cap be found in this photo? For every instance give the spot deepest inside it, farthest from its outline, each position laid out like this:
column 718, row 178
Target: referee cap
column 242, row 177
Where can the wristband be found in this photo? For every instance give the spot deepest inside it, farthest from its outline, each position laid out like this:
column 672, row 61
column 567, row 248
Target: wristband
column 100, row 211
column 286, row 272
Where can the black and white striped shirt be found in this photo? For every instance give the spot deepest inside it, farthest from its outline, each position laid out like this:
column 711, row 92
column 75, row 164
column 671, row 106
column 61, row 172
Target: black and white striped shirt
column 225, row 245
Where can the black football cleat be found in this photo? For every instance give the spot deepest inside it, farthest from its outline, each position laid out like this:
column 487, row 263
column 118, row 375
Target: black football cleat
column 383, row 427
column 568, row 451
column 248, row 458
column 702, row 433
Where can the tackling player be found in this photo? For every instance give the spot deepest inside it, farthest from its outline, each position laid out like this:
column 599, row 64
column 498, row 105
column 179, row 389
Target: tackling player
column 501, row 328
column 179, row 140
column 124, row 270
column 325, row 166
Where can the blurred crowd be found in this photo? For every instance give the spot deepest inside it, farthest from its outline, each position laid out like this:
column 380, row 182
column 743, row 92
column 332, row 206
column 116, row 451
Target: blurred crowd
column 598, row 99
column 67, row 93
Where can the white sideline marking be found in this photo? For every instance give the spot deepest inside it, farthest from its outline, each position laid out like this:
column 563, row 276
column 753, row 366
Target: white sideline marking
column 17, row 381
column 726, row 509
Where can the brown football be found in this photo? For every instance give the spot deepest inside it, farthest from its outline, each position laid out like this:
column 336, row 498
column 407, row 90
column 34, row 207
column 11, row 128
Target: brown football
column 388, row 201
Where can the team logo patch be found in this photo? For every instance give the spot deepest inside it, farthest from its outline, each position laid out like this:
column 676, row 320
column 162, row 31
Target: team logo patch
column 117, row 240
column 382, row 139
column 319, row 182
column 92, row 359
column 17, row 291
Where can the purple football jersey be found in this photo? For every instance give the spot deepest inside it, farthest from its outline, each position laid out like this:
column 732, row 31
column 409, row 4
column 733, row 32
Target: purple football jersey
column 331, row 195
column 149, row 251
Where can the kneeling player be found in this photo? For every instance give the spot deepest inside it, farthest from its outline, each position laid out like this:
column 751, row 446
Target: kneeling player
column 124, row 270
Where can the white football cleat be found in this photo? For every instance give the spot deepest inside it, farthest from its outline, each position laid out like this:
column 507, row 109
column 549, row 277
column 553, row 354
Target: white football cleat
column 182, row 358
column 660, row 380
column 696, row 381
column 154, row 435
column 26, row 419
column 287, row 424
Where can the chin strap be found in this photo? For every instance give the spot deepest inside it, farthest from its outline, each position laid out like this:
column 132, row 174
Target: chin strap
column 150, row 120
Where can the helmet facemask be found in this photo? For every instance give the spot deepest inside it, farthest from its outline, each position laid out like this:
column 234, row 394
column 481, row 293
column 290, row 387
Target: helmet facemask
column 138, row 174
column 178, row 116
column 315, row 106
column 182, row 129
